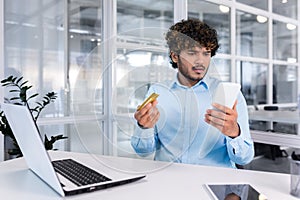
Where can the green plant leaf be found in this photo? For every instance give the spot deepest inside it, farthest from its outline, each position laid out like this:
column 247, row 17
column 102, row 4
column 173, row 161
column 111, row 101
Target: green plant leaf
column 32, row 96
column 13, row 90
column 35, row 109
column 8, row 79
column 6, row 84
column 19, row 79
column 23, row 83
column 14, row 79
column 22, row 88
column 26, row 87
column 14, row 98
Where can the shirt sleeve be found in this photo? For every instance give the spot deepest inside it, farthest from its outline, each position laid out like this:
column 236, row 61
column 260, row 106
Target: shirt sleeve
column 143, row 141
column 241, row 148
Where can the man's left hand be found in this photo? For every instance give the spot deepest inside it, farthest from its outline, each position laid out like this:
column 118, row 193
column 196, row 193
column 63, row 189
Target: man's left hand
column 224, row 119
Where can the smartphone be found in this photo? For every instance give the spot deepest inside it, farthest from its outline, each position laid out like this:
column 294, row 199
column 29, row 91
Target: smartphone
column 226, row 93
column 150, row 99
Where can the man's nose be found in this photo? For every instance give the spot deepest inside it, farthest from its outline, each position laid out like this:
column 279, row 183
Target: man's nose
column 199, row 58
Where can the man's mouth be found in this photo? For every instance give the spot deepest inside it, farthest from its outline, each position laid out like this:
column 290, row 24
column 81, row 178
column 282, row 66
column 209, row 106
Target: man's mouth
column 198, row 70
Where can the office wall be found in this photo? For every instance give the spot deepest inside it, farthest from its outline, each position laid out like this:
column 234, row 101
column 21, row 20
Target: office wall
column 92, row 52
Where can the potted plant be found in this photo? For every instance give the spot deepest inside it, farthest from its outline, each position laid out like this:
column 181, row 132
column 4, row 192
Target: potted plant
column 19, row 95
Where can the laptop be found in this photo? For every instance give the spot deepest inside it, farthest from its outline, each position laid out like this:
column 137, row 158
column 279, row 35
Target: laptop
column 58, row 174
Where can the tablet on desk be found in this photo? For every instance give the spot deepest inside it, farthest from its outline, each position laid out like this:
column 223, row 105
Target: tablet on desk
column 234, row 191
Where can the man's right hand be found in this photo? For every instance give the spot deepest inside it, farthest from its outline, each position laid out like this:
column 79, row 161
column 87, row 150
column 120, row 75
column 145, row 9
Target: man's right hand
column 148, row 115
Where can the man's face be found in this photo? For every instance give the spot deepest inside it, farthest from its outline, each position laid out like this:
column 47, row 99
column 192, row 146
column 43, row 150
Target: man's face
column 192, row 65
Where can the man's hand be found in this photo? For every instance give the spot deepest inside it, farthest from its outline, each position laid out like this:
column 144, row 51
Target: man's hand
column 224, row 119
column 148, row 115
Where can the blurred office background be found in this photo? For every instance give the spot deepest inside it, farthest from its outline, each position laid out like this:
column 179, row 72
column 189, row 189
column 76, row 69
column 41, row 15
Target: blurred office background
column 100, row 56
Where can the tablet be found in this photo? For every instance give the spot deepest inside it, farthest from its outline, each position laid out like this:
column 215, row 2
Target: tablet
column 226, row 93
column 242, row 191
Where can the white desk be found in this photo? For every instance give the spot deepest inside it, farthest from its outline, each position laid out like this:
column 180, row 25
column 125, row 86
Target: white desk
column 275, row 116
column 280, row 139
column 163, row 181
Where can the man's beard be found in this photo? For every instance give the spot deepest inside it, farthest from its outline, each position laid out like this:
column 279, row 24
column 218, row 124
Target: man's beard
column 186, row 74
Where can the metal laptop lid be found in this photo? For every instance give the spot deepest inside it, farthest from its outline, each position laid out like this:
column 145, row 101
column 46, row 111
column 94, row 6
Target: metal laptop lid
column 31, row 144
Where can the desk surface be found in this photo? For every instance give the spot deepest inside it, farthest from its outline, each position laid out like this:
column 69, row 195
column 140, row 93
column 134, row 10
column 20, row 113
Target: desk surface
column 163, row 181
column 291, row 117
column 276, row 116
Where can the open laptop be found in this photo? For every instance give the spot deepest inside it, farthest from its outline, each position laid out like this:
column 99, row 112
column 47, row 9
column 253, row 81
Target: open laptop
column 28, row 137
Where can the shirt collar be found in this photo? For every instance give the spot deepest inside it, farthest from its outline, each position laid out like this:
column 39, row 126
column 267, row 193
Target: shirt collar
column 205, row 82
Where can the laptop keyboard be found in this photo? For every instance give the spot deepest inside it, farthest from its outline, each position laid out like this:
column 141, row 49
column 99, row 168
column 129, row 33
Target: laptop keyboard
column 78, row 173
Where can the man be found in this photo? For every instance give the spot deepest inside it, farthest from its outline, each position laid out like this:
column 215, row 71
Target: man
column 185, row 126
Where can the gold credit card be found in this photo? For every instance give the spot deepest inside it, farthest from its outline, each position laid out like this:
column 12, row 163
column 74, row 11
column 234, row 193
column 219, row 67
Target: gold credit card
column 150, row 99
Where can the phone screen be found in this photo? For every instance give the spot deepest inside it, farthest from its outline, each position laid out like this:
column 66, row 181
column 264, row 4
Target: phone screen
column 226, row 93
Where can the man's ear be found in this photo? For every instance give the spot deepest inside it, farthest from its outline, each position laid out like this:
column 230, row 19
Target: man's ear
column 174, row 57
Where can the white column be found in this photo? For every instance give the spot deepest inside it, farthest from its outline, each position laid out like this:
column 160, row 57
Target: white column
column 109, row 31
column 67, row 143
column 180, row 10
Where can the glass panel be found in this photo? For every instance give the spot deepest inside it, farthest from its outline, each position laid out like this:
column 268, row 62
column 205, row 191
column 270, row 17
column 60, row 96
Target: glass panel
column 217, row 16
column 84, row 137
column 251, row 35
column 34, row 48
column 278, row 127
column 262, row 4
column 85, row 68
column 139, row 21
column 125, row 131
column 254, row 91
column 287, row 128
column 142, row 59
column 285, row 82
column 135, row 71
column 55, row 130
column 286, row 8
column 285, row 41
column 142, row 56
column 220, row 68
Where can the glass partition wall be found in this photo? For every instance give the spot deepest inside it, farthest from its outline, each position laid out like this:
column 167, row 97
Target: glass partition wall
column 101, row 56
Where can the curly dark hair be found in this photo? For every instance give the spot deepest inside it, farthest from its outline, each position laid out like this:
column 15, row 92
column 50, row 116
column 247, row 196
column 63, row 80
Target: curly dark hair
column 191, row 33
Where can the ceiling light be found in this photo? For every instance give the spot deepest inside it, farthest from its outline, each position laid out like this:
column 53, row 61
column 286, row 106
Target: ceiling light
column 224, row 9
column 79, row 31
column 261, row 19
column 284, row 1
column 291, row 26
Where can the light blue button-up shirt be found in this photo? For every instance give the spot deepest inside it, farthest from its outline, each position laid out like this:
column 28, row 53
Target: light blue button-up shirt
column 181, row 134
